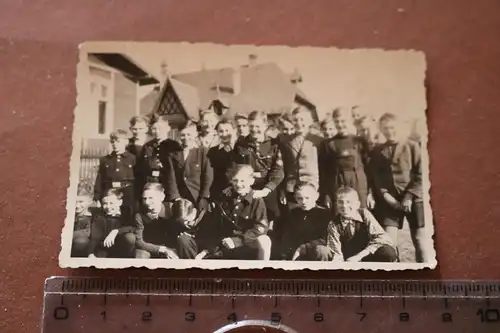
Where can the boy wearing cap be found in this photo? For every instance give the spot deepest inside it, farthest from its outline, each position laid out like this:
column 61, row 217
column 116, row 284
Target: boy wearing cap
column 116, row 171
column 112, row 233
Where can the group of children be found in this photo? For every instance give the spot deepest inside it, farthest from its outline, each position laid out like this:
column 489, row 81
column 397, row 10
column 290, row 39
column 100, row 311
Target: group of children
column 229, row 189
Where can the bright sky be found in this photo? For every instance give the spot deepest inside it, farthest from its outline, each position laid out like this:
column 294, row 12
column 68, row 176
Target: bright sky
column 377, row 80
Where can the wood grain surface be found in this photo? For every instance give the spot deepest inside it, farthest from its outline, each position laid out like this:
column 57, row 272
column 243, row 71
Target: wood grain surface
column 38, row 55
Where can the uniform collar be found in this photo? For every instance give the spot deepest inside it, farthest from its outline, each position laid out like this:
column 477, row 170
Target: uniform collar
column 247, row 197
column 222, row 146
column 87, row 213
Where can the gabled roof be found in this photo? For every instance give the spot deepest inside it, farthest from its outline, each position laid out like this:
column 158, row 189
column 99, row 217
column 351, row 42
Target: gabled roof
column 187, row 94
column 211, row 83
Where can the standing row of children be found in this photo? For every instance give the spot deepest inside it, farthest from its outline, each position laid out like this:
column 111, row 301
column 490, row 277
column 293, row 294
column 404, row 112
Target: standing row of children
column 296, row 196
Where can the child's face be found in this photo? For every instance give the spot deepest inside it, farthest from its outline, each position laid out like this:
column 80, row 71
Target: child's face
column 347, row 204
column 389, row 130
column 329, row 130
column 188, row 138
column 139, row 129
column 208, row 123
column 258, row 129
column 119, row 144
column 343, row 124
column 82, row 204
column 242, row 127
column 160, row 131
column 242, row 182
column 152, row 200
column 302, row 122
column 226, row 133
column 287, row 128
column 306, row 198
column 111, row 204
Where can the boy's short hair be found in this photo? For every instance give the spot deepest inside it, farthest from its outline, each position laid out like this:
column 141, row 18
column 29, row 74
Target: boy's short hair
column 388, row 117
column 342, row 111
column 113, row 192
column 189, row 126
column 240, row 168
column 285, row 118
column 84, row 190
column 159, row 120
column 302, row 110
column 225, row 121
column 301, row 185
column 258, row 115
column 138, row 119
column 208, row 113
column 240, row 116
column 154, row 187
column 346, row 190
column 118, row 134
column 326, row 121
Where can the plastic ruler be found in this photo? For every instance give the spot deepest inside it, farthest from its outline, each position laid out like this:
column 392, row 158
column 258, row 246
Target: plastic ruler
column 76, row 304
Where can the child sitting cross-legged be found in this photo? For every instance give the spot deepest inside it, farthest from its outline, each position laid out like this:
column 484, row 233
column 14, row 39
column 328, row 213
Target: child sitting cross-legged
column 354, row 234
column 238, row 227
column 83, row 222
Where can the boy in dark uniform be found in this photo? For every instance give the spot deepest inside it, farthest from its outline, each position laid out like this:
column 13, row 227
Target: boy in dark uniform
column 112, row 233
column 139, row 129
column 82, row 224
column 150, row 165
column 221, row 157
column 264, row 156
column 116, row 171
column 307, row 223
column 156, row 229
column 354, row 234
column 238, row 225
column 397, row 178
column 188, row 172
column 342, row 161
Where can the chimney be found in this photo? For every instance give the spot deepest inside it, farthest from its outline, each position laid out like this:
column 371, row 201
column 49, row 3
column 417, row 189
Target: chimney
column 252, row 59
column 237, row 81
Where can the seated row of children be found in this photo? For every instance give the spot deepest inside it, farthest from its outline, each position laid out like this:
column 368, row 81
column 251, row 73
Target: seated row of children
column 387, row 176
column 235, row 229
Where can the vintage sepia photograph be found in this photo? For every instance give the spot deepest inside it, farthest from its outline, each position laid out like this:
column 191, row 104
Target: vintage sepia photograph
column 198, row 155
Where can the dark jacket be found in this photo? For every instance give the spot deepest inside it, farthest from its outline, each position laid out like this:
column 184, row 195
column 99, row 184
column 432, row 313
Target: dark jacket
column 102, row 226
column 114, row 168
column 241, row 219
column 397, row 169
column 265, row 159
column 191, row 178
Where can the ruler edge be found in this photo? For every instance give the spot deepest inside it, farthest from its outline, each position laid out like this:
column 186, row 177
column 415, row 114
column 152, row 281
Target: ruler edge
column 358, row 288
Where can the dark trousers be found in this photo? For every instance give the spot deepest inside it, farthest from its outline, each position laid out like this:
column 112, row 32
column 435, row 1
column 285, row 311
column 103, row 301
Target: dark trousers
column 124, row 247
column 79, row 247
column 189, row 247
column 385, row 253
column 390, row 217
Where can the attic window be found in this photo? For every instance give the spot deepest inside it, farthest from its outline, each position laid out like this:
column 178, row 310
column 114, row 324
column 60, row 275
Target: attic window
column 170, row 103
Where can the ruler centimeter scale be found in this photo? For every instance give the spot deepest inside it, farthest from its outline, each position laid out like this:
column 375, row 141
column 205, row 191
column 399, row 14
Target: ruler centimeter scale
column 74, row 304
